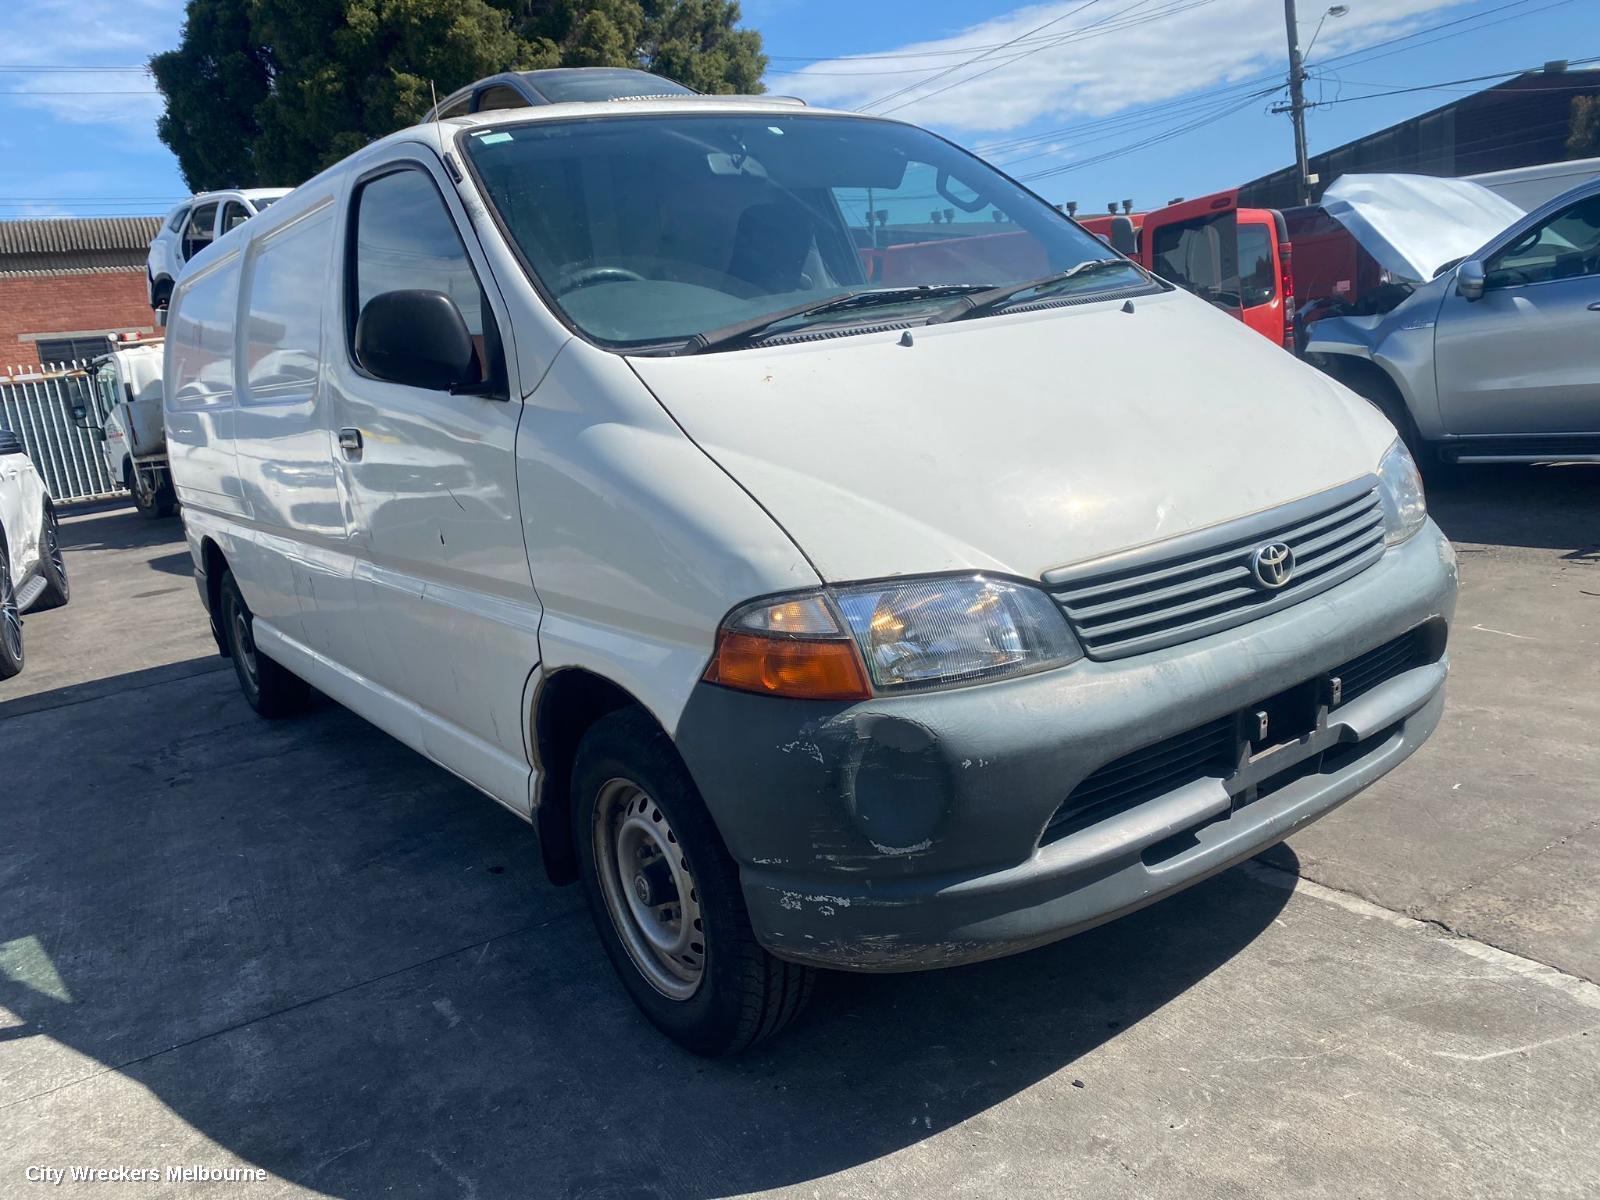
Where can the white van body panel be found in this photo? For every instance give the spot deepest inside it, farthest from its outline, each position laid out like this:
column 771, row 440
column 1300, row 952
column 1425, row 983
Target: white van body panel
column 1041, row 488
column 642, row 543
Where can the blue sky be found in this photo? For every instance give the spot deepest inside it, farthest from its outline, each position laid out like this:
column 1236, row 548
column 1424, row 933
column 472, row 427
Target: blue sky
column 1039, row 88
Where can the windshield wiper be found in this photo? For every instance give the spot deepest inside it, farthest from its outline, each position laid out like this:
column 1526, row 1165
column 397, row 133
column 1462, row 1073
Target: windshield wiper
column 844, row 302
column 982, row 303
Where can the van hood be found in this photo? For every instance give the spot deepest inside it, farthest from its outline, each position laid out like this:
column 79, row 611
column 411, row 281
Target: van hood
column 1018, row 443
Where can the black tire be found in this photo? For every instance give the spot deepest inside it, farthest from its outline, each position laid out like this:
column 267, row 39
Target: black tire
column 270, row 689
column 162, row 297
column 53, row 566
column 744, row 995
column 11, row 656
column 154, row 502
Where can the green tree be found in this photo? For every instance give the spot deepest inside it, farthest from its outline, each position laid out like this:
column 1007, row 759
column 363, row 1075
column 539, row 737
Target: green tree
column 268, row 92
column 1583, row 140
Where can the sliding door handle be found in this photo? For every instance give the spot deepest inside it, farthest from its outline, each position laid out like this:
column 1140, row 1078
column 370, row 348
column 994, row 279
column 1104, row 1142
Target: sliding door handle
column 350, row 443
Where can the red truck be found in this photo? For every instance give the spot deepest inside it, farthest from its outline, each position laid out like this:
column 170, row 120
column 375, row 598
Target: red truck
column 1237, row 258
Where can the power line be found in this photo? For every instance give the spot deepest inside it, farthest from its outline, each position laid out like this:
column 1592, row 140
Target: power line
column 968, row 62
column 1446, row 85
column 1155, row 139
column 1364, row 53
column 1103, row 27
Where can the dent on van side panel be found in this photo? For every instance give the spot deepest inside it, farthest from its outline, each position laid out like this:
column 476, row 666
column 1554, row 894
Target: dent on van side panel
column 639, row 543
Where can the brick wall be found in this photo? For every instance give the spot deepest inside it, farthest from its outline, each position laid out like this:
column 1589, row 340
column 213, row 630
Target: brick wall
column 53, row 304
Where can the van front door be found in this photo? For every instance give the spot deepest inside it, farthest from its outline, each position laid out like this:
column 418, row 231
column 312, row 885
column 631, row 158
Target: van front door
column 441, row 570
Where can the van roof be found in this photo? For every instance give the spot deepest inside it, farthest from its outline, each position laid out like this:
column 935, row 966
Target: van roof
column 631, row 107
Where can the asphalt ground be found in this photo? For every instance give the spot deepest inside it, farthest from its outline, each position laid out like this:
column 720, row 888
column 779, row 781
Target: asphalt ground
column 300, row 949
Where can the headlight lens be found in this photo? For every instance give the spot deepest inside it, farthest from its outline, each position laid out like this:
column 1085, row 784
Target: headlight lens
column 847, row 643
column 1404, row 505
column 925, row 632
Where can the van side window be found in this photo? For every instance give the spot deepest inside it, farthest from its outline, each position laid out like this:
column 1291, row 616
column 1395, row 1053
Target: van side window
column 201, row 230
column 500, row 96
column 455, row 108
column 285, row 283
column 406, row 240
column 233, row 213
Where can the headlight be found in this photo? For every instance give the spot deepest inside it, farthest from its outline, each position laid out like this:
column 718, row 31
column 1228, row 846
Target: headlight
column 905, row 633
column 1404, row 506
column 922, row 632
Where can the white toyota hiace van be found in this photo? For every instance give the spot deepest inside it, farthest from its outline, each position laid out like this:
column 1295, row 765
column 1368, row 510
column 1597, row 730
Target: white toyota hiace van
column 837, row 557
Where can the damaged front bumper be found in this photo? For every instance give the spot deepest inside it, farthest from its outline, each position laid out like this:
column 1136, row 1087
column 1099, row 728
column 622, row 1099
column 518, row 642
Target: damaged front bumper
column 928, row 830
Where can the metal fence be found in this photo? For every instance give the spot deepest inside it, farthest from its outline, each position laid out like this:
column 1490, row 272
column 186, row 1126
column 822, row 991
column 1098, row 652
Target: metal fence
column 36, row 404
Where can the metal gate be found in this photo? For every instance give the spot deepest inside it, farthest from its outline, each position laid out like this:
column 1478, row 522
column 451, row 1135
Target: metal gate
column 36, row 404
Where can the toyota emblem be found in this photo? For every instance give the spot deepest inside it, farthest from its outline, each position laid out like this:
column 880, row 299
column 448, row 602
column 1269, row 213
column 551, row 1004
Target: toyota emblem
column 1272, row 565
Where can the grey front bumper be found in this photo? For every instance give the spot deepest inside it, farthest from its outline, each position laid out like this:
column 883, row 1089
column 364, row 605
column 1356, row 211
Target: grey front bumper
column 905, row 832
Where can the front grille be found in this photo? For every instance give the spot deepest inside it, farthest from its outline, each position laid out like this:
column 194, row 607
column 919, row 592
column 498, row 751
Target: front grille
column 1212, row 749
column 1216, row 749
column 1202, row 582
column 1366, row 671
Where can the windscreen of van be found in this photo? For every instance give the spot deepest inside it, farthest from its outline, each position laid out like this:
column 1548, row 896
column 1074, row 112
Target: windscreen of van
column 647, row 230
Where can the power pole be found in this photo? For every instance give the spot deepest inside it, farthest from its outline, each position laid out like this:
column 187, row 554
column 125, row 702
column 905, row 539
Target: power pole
column 1297, row 104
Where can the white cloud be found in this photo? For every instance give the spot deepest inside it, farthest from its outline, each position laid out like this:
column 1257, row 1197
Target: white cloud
column 87, row 33
column 1095, row 71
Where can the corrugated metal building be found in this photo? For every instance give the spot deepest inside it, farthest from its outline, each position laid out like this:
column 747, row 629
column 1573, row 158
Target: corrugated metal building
column 66, row 283
column 1520, row 123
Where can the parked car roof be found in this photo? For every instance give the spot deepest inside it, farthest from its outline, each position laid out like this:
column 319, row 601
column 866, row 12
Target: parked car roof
column 565, row 85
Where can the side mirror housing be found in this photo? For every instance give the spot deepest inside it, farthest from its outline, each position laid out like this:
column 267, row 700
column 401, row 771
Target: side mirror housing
column 1469, row 280
column 417, row 338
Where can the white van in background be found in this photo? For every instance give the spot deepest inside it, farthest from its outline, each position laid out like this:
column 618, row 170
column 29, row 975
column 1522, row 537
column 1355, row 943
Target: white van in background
column 829, row 586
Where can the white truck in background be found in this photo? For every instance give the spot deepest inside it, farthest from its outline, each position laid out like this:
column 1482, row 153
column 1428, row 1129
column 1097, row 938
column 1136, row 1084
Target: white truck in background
column 124, row 411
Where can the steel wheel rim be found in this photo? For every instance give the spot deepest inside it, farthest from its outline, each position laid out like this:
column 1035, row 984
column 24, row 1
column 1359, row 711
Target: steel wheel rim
column 649, row 889
column 243, row 644
column 10, row 615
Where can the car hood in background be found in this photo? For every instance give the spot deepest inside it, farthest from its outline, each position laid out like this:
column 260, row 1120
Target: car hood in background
column 1414, row 224
column 1018, row 443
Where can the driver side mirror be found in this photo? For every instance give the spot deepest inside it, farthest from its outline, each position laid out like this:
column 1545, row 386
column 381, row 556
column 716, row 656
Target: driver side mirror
column 417, row 338
column 1469, row 280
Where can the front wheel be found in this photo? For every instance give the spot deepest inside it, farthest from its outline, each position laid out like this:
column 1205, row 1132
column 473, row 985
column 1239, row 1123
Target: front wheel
column 665, row 896
column 53, row 566
column 270, row 689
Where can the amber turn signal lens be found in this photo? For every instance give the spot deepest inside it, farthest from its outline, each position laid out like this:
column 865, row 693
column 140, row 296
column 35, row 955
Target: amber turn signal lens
column 800, row 668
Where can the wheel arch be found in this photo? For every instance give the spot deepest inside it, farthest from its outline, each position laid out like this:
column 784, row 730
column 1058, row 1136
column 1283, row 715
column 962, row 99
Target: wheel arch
column 213, row 563
column 566, row 705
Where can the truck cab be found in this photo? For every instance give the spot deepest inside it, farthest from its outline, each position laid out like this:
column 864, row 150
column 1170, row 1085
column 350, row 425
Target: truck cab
column 124, row 413
column 1236, row 258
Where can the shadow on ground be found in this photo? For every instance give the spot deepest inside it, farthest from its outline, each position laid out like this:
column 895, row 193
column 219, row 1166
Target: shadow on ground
column 116, row 527
column 1552, row 507
column 340, row 963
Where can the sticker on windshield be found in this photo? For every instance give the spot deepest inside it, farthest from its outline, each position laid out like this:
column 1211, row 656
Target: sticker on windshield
column 489, row 139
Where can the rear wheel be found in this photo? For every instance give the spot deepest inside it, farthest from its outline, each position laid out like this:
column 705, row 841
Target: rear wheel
column 10, row 620
column 53, row 566
column 152, row 493
column 270, row 689
column 665, row 896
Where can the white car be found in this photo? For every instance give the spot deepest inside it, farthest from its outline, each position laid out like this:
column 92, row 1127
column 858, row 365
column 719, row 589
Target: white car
column 33, row 573
column 194, row 225
column 830, row 587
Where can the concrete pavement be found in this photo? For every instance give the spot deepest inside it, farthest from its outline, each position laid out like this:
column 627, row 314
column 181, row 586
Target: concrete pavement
column 299, row 948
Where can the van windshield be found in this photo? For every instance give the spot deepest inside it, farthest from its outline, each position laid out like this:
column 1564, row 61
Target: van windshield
column 649, row 230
